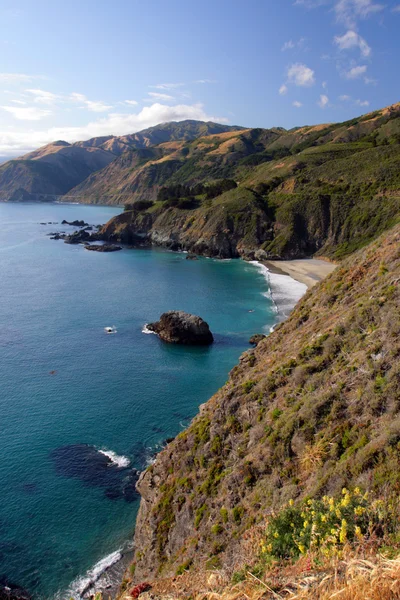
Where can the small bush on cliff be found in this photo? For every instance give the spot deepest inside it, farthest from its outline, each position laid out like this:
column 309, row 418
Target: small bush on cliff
column 327, row 525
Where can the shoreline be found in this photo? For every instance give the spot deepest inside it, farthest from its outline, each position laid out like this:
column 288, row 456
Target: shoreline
column 308, row 271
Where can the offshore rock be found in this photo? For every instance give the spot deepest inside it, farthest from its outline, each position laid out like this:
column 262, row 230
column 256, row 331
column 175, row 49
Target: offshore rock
column 76, row 223
column 178, row 327
column 103, row 247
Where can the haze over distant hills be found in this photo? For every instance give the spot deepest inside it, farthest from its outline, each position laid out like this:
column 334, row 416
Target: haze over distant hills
column 56, row 168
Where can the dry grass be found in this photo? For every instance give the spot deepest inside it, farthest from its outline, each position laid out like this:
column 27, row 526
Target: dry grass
column 355, row 579
column 375, row 578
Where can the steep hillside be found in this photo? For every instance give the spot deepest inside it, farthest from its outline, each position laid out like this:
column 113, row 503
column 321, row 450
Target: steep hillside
column 324, row 190
column 63, row 166
column 248, row 156
column 313, row 409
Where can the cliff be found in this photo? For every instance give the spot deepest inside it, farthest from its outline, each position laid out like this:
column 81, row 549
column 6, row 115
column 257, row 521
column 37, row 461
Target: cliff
column 313, row 409
column 325, row 190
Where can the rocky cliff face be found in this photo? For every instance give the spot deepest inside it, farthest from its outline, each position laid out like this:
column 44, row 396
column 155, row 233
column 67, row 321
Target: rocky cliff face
column 312, row 409
column 236, row 225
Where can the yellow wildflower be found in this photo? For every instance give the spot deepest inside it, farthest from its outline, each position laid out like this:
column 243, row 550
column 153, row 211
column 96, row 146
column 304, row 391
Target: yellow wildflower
column 346, row 500
column 291, row 502
column 358, row 532
column 276, row 534
column 343, row 531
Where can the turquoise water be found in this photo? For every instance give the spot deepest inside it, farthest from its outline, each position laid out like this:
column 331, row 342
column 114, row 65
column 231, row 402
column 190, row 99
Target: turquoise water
column 64, row 382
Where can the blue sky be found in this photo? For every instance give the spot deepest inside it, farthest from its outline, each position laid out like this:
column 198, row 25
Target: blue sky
column 77, row 69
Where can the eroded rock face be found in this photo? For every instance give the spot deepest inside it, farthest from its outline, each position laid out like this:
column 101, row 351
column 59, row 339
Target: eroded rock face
column 178, row 327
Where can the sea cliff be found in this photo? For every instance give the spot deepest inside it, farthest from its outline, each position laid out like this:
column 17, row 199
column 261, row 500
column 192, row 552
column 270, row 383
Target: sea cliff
column 313, row 409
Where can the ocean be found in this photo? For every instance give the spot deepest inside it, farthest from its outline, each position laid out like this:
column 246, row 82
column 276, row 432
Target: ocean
column 83, row 411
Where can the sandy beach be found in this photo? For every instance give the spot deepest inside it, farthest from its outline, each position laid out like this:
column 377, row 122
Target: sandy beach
column 309, row 270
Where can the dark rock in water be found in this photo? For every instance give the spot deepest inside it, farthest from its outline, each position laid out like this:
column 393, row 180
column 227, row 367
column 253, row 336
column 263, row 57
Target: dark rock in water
column 95, row 469
column 103, row 247
column 77, row 238
column 43, row 223
column 10, row 591
column 168, row 441
column 191, row 257
column 178, row 327
column 57, row 236
column 256, row 339
column 75, row 223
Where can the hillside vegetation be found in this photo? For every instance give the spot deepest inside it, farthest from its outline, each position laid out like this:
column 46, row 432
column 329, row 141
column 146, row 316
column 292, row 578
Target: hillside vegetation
column 298, row 455
column 324, row 190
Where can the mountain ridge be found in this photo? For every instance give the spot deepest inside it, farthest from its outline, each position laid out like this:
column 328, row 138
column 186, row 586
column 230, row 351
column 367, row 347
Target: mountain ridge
column 71, row 163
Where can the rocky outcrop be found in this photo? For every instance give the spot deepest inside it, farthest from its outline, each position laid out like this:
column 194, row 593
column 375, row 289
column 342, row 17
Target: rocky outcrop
column 257, row 338
column 235, row 227
column 10, row 591
column 103, row 247
column 76, row 223
column 77, row 237
column 178, row 327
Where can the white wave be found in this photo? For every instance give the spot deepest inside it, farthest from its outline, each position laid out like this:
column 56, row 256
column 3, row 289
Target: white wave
column 80, row 586
column 147, row 331
column 284, row 291
column 120, row 461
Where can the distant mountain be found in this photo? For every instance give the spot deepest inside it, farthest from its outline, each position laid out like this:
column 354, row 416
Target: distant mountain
column 56, row 168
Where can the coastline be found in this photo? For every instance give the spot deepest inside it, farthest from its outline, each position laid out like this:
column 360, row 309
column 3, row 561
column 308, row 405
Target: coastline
column 308, row 271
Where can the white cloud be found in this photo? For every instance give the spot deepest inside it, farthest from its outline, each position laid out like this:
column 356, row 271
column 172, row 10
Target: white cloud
column 17, row 77
column 301, row 75
column 297, row 104
column 43, row 97
column 18, row 101
column 93, row 106
column 355, row 72
column 323, row 101
column 344, row 98
column 17, row 142
column 349, row 11
column 291, row 45
column 370, row 81
column 362, row 102
column 130, row 102
column 159, row 96
column 172, row 86
column 351, row 40
column 288, row 46
column 29, row 113
column 203, row 81
column 324, row 85
column 283, row 89
column 396, row 9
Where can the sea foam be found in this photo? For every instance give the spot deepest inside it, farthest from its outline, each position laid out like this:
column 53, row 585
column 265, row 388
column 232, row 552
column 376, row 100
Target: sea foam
column 284, row 292
column 82, row 585
column 146, row 330
column 120, row 461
